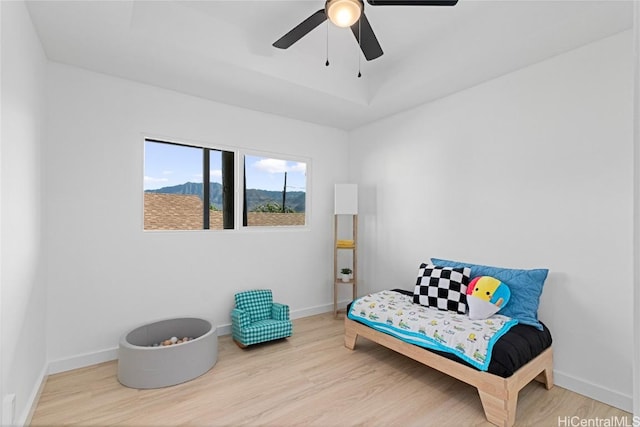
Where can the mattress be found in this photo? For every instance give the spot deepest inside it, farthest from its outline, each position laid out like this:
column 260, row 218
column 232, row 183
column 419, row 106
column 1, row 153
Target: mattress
column 521, row 344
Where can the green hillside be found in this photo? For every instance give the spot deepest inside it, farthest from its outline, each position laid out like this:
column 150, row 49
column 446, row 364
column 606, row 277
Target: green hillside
column 295, row 199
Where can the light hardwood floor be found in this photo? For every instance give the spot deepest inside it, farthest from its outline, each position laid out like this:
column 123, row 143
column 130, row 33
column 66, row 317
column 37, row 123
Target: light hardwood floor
column 308, row 379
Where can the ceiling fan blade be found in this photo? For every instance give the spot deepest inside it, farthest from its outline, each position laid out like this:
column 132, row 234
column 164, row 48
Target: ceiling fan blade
column 412, row 2
column 301, row 30
column 369, row 43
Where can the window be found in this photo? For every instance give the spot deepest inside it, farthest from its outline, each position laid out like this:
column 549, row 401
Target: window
column 187, row 187
column 274, row 192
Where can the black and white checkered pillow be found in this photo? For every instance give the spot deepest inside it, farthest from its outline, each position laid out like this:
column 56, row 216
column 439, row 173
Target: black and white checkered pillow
column 442, row 287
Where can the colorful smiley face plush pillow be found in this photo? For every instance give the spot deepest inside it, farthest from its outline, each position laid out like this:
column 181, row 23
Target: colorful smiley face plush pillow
column 486, row 296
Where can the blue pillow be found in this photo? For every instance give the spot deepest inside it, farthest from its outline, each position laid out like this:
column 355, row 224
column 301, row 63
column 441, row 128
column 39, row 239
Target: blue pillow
column 525, row 285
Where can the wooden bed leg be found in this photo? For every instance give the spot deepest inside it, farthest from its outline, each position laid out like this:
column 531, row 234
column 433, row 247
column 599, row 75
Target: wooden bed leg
column 350, row 337
column 546, row 378
column 501, row 412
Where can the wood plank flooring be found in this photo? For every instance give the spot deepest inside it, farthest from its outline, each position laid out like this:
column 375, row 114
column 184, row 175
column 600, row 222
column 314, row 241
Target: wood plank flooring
column 308, row 379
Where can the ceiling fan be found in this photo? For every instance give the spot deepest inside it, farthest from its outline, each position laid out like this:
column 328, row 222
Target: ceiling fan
column 350, row 13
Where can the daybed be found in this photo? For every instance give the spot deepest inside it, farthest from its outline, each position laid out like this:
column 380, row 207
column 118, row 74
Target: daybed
column 518, row 356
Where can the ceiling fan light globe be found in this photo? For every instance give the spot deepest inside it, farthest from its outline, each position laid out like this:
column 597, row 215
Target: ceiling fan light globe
column 344, row 13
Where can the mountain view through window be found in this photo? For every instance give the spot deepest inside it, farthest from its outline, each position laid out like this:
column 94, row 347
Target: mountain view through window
column 180, row 180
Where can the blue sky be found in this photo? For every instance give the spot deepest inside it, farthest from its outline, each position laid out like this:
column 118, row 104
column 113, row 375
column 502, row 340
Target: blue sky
column 166, row 165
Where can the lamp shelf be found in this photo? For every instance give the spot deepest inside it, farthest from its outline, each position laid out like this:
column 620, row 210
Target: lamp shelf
column 352, row 246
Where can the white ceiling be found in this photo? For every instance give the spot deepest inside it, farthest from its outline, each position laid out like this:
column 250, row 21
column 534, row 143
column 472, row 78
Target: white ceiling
column 221, row 50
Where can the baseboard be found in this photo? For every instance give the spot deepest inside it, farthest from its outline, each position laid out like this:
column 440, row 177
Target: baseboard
column 585, row 388
column 594, row 391
column 225, row 328
column 25, row 417
column 106, row 355
column 82, row 360
column 319, row 309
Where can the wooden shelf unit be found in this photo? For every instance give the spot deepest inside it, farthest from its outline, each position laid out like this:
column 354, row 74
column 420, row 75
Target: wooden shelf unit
column 337, row 282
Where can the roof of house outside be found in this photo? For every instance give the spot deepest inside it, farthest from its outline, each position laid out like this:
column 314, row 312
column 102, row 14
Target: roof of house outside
column 184, row 212
column 172, row 212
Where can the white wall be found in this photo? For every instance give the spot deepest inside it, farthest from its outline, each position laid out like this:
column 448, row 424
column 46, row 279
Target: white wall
column 22, row 285
column 105, row 275
column 636, row 215
column 532, row 169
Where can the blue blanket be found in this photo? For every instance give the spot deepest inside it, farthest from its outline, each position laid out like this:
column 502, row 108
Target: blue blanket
column 396, row 314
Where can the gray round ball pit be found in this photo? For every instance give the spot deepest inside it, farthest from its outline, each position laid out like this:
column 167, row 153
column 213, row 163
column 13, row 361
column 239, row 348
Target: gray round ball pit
column 141, row 366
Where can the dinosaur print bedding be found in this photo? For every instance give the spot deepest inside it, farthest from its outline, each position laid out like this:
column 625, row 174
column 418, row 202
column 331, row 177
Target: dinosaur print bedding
column 396, row 314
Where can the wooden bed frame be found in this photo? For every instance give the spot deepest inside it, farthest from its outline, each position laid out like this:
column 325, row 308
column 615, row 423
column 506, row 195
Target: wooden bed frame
column 499, row 395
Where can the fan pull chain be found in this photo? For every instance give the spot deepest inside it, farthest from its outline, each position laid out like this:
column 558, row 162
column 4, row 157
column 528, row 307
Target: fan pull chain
column 327, row 63
column 359, row 45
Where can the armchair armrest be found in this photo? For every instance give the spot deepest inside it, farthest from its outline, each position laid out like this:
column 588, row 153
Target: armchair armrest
column 279, row 311
column 240, row 318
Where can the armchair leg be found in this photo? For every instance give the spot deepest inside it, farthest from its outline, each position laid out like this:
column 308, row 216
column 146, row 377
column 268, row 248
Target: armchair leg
column 239, row 344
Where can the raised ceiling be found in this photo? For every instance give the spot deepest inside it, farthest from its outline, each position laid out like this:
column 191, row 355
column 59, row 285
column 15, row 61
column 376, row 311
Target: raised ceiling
column 221, row 50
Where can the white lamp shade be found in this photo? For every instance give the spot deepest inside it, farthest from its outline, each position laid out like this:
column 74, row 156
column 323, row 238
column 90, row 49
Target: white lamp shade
column 344, row 13
column 346, row 199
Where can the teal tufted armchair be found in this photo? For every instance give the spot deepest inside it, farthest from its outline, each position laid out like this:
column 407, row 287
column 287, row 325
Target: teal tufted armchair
column 256, row 318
